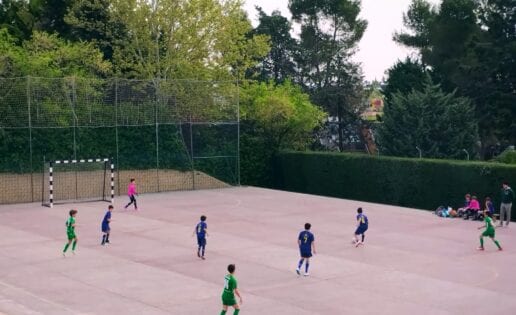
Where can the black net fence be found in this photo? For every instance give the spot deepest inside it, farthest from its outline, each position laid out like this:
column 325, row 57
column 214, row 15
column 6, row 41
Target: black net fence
column 169, row 135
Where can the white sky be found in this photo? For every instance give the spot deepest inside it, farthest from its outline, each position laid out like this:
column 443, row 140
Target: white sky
column 377, row 51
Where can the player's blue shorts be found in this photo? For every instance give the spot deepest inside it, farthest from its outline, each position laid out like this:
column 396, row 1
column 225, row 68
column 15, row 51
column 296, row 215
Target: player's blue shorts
column 305, row 253
column 361, row 229
column 105, row 228
column 201, row 240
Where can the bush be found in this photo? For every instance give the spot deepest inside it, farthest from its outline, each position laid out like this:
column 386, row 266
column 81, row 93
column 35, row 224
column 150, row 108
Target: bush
column 508, row 157
column 418, row 183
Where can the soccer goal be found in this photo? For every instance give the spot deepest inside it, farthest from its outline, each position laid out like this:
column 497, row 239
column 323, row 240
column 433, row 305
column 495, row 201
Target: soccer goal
column 68, row 181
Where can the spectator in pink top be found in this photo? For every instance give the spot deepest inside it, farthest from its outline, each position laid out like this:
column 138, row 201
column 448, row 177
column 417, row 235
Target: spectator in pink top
column 474, row 208
column 131, row 192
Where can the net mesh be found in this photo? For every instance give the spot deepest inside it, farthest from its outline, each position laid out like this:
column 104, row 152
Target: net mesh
column 78, row 182
column 170, row 135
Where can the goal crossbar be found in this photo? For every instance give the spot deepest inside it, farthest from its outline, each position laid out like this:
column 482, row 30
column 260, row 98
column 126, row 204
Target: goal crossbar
column 51, row 177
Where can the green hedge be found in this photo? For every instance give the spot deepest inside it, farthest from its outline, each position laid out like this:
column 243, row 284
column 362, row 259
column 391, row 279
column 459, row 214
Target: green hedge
column 418, row 183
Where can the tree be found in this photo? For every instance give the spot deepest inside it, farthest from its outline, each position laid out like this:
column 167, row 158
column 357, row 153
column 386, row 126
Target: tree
column 93, row 21
column 198, row 39
column 278, row 64
column 49, row 56
column 404, row 77
column 18, row 17
column 441, row 124
column 330, row 30
column 51, row 16
column 274, row 117
column 470, row 46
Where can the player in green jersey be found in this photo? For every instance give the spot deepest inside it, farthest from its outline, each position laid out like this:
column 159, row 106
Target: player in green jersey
column 70, row 231
column 230, row 289
column 489, row 231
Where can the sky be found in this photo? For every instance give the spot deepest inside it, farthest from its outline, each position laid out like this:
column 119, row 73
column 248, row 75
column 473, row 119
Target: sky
column 377, row 51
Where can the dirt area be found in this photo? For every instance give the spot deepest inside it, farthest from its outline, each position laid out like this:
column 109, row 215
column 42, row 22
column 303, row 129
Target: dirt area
column 17, row 188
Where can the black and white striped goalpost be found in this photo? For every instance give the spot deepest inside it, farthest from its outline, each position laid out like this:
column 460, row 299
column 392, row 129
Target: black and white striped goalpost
column 51, row 175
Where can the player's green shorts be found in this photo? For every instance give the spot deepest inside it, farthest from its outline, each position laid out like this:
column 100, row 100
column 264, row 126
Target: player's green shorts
column 71, row 236
column 489, row 233
column 228, row 299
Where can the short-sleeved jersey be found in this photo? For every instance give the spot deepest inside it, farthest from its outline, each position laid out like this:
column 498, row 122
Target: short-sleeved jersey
column 489, row 224
column 200, row 229
column 306, row 238
column 69, row 225
column 106, row 219
column 230, row 284
column 362, row 219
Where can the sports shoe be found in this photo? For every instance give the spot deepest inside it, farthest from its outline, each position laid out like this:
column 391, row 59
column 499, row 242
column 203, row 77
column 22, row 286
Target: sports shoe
column 298, row 272
column 500, row 249
column 198, row 254
column 306, row 274
column 202, row 257
column 358, row 243
column 64, row 255
column 73, row 252
column 480, row 248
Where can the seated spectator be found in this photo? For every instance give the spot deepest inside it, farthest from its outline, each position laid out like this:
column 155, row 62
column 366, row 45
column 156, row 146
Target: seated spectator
column 462, row 211
column 489, row 206
column 473, row 209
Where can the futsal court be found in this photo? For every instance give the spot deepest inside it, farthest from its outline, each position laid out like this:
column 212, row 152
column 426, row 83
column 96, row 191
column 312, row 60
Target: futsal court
column 412, row 263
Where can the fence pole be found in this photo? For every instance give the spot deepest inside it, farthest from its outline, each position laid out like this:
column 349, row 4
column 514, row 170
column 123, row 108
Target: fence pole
column 238, row 133
column 156, row 107
column 116, row 135
column 192, row 154
column 74, row 101
column 30, row 141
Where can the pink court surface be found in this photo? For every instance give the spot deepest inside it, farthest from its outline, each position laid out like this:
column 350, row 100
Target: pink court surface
column 412, row 263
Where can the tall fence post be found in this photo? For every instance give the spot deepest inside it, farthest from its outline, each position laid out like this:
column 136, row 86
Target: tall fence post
column 75, row 121
column 238, row 133
column 192, row 153
column 116, row 136
column 30, row 141
column 156, row 108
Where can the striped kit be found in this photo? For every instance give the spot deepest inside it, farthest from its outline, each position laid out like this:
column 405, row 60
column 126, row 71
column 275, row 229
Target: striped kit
column 51, row 175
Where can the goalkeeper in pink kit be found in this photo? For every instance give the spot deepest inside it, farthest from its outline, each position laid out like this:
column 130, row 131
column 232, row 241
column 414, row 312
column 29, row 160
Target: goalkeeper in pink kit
column 131, row 192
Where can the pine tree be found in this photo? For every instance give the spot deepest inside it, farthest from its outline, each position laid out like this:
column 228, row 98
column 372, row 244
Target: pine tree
column 441, row 124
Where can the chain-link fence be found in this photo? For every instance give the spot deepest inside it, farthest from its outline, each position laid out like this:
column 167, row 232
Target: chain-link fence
column 169, row 135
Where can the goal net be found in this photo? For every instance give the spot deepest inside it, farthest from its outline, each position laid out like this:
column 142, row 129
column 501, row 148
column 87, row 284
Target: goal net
column 68, row 181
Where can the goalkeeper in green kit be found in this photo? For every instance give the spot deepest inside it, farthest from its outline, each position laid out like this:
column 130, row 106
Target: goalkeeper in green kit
column 489, row 231
column 230, row 289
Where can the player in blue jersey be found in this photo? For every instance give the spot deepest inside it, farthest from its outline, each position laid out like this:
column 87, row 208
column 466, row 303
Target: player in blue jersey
column 106, row 229
column 306, row 242
column 201, row 229
column 362, row 225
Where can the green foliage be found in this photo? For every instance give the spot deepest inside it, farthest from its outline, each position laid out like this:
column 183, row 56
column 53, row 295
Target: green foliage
column 197, row 39
column 18, row 17
column 279, row 64
column 330, row 31
column 508, row 157
column 418, row 183
column 470, row 46
column 282, row 114
column 93, row 21
column 49, row 56
column 440, row 124
column 273, row 117
column 404, row 77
